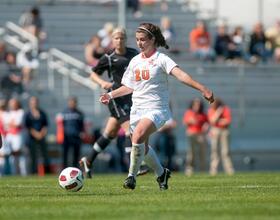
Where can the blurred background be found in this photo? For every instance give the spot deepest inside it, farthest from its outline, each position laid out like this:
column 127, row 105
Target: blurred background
column 48, row 47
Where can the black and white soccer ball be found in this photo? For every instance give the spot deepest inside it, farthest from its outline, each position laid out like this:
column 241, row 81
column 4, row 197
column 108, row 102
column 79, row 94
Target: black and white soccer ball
column 71, row 179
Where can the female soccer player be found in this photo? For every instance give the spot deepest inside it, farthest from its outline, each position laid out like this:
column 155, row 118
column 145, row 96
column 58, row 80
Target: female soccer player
column 115, row 63
column 146, row 77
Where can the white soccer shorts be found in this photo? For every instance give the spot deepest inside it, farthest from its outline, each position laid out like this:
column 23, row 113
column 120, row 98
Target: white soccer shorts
column 157, row 116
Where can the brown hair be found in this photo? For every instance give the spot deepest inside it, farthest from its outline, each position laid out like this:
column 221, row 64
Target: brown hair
column 153, row 31
column 201, row 107
column 217, row 103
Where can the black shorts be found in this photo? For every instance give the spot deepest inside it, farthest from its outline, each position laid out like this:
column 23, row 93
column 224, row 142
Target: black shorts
column 120, row 108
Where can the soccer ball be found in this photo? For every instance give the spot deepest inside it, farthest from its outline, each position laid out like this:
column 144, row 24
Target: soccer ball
column 71, row 179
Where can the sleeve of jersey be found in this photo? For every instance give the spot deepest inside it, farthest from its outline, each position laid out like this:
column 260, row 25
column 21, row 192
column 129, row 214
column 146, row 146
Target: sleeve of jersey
column 101, row 66
column 167, row 64
column 186, row 117
column 127, row 79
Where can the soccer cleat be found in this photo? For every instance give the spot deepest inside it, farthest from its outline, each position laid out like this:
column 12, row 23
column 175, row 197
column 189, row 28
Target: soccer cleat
column 163, row 179
column 129, row 183
column 84, row 163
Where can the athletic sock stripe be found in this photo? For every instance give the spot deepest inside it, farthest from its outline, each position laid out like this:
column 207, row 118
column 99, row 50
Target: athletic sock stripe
column 97, row 147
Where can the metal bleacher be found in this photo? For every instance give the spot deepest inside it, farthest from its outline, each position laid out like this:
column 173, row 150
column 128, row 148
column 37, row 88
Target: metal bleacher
column 251, row 91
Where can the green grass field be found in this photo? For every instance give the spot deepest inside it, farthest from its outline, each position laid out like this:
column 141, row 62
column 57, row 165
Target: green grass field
column 242, row 196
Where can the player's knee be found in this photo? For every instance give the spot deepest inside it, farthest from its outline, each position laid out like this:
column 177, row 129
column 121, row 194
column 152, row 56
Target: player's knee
column 111, row 134
column 138, row 137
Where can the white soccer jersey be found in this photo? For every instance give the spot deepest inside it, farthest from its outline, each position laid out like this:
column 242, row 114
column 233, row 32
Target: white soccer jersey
column 148, row 77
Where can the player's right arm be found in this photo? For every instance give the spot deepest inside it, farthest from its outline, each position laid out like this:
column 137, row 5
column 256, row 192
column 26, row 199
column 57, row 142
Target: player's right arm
column 125, row 89
column 97, row 71
column 121, row 91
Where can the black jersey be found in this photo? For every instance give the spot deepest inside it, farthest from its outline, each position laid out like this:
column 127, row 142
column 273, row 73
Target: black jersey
column 115, row 65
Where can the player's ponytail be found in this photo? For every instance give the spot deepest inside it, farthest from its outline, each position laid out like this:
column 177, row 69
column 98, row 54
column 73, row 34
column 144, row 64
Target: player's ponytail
column 153, row 31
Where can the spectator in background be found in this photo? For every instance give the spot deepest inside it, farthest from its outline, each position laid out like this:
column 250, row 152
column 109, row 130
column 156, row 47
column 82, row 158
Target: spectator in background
column 164, row 5
column 93, row 51
column 167, row 29
column 219, row 117
column 257, row 46
column 273, row 35
column 195, row 120
column 237, row 48
column 73, row 124
column 106, row 36
column 25, row 20
column 200, row 42
column 32, row 22
column 13, row 123
column 168, row 32
column 135, row 6
column 36, row 122
column 165, row 143
column 11, row 82
column 222, row 42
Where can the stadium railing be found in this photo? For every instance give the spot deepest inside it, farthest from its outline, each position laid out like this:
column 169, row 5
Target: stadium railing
column 17, row 36
column 70, row 68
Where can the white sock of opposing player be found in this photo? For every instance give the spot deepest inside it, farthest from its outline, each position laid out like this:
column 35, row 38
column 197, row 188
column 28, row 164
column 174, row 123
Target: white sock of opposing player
column 153, row 162
column 136, row 158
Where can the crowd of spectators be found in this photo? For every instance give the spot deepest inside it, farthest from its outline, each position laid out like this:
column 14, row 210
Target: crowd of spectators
column 32, row 22
column 258, row 45
column 208, row 128
column 24, row 130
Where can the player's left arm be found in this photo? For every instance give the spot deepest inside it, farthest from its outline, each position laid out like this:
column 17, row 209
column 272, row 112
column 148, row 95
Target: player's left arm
column 188, row 80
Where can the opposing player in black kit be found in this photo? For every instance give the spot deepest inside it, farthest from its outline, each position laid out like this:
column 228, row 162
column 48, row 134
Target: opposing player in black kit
column 115, row 64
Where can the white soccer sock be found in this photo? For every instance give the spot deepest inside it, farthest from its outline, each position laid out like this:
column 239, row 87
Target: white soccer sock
column 153, row 162
column 136, row 158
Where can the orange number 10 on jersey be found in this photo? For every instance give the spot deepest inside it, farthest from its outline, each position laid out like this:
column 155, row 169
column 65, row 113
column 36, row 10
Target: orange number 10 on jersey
column 143, row 74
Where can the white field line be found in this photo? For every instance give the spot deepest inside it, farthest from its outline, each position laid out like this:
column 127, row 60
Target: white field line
column 224, row 187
